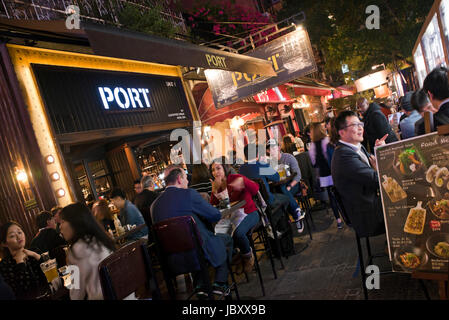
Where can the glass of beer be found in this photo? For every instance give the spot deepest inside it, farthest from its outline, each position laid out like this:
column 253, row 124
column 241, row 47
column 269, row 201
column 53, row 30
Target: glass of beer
column 50, row 269
column 281, row 171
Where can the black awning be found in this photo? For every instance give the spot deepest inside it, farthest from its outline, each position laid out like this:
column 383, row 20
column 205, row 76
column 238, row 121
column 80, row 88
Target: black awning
column 114, row 42
column 118, row 43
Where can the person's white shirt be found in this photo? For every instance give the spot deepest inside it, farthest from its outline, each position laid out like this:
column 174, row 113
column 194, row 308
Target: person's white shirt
column 87, row 257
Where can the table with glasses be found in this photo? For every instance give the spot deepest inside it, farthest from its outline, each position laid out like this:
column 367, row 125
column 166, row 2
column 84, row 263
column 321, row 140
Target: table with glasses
column 226, row 213
column 121, row 239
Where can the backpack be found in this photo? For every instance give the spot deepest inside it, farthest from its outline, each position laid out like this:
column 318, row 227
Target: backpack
column 282, row 225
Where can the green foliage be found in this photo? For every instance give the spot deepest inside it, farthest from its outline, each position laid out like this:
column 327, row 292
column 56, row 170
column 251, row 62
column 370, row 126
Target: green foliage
column 338, row 27
column 146, row 21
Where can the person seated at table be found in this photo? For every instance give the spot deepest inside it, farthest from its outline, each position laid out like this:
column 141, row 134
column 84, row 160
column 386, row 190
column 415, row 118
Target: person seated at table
column 288, row 146
column 55, row 211
column 201, row 179
column 47, row 239
column 145, row 199
column 178, row 200
column 20, row 267
column 89, row 245
column 238, row 188
column 256, row 169
column 129, row 214
column 103, row 214
column 278, row 157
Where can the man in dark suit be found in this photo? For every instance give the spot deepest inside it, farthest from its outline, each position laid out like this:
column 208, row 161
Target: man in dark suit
column 376, row 125
column 355, row 176
column 145, row 199
column 47, row 239
column 177, row 200
column 436, row 84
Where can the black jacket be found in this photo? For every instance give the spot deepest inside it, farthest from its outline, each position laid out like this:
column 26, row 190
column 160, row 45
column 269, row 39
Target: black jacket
column 376, row 126
column 6, row 292
column 46, row 241
column 442, row 116
column 358, row 186
column 143, row 202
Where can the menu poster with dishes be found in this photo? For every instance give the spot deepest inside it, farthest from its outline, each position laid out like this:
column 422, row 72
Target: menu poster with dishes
column 414, row 184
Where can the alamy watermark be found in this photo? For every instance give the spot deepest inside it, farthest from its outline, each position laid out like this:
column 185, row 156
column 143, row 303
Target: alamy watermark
column 191, row 151
column 373, row 20
column 73, row 20
column 373, row 279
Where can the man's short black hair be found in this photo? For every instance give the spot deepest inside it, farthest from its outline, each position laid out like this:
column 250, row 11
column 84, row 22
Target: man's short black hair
column 437, row 83
column 136, row 181
column 117, row 192
column 42, row 218
column 340, row 121
column 173, row 176
column 419, row 100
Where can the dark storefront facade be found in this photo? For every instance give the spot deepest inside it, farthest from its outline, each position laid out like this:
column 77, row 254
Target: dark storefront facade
column 94, row 123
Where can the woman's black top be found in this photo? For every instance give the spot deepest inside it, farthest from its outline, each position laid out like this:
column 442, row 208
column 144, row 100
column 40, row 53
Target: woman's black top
column 321, row 162
column 26, row 279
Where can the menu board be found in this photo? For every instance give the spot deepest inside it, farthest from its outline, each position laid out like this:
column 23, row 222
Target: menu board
column 414, row 184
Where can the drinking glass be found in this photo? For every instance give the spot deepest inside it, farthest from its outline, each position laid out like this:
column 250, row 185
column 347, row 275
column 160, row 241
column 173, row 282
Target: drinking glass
column 50, row 269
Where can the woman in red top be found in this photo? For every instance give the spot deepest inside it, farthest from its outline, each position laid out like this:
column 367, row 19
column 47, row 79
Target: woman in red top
column 239, row 188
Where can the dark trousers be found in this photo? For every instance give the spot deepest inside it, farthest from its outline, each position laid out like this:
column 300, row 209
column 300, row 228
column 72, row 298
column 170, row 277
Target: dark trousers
column 333, row 201
column 221, row 271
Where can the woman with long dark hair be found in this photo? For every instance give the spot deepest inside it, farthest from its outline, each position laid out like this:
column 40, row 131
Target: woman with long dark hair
column 89, row 245
column 103, row 214
column 20, row 267
column 237, row 188
column 201, row 179
column 320, row 156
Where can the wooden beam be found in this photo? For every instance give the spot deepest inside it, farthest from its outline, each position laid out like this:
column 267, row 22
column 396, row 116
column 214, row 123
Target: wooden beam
column 93, row 135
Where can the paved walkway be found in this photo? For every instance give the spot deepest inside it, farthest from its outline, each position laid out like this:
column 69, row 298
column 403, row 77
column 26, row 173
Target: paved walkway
column 324, row 268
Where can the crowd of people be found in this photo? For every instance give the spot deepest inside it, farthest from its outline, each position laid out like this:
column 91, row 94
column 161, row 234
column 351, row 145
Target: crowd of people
column 340, row 149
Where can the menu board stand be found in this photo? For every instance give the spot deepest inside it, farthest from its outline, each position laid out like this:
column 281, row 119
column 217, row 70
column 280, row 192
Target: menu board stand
column 442, row 278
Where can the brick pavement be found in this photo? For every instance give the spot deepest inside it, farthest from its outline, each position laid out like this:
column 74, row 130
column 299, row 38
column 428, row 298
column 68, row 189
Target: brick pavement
column 324, row 268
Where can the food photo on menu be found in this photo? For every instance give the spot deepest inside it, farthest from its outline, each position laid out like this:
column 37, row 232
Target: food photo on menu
column 415, row 198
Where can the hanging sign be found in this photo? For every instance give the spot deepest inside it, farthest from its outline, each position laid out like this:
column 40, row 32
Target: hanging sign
column 291, row 56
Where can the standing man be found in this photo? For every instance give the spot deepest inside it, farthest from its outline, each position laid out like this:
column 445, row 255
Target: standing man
column 437, row 87
column 407, row 126
column 129, row 214
column 376, row 125
column 292, row 188
column 145, row 199
column 178, row 200
column 355, row 176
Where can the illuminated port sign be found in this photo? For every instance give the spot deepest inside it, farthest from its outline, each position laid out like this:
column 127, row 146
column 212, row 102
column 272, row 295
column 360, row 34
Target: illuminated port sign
column 81, row 100
column 125, row 98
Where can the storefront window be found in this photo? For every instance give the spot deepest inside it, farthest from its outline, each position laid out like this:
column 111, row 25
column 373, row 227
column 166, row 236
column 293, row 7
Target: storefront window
column 420, row 65
column 100, row 177
column 83, row 181
column 433, row 47
column 444, row 15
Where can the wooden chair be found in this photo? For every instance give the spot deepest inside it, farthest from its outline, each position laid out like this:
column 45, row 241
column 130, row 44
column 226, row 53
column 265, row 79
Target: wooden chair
column 179, row 237
column 126, row 271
